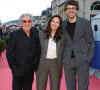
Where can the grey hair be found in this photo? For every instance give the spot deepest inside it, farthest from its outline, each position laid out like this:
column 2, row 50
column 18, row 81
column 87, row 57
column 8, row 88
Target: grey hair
column 25, row 14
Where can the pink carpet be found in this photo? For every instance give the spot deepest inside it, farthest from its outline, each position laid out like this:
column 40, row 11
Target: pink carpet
column 6, row 78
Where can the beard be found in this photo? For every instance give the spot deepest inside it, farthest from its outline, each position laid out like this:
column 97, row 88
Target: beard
column 72, row 15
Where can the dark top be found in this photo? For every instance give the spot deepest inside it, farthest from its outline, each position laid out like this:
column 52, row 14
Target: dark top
column 71, row 29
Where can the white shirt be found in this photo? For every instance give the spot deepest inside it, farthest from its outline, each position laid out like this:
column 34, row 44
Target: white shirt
column 51, row 52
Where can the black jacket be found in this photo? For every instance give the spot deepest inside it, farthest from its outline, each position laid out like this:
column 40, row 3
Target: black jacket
column 23, row 53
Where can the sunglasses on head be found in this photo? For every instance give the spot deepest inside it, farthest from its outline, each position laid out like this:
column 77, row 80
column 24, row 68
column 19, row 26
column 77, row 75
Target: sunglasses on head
column 25, row 21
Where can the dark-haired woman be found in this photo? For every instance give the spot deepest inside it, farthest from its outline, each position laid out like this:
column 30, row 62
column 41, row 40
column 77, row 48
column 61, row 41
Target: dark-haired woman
column 52, row 42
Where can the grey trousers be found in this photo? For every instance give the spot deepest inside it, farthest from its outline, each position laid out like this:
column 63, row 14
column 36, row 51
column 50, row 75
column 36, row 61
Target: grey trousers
column 51, row 68
column 76, row 68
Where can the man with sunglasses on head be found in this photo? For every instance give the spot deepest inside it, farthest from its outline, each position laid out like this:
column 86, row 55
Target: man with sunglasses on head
column 23, row 53
column 79, row 47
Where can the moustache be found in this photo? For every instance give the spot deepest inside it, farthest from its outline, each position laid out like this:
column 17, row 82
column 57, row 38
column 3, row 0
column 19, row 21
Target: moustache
column 71, row 12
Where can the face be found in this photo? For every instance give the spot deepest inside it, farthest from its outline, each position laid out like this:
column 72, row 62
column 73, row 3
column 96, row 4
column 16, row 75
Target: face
column 26, row 23
column 55, row 23
column 71, row 11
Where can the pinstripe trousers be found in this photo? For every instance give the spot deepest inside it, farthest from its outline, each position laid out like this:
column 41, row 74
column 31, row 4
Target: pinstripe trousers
column 51, row 68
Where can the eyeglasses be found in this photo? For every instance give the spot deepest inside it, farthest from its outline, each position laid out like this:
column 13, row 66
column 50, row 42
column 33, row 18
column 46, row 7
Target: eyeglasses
column 25, row 21
column 74, row 8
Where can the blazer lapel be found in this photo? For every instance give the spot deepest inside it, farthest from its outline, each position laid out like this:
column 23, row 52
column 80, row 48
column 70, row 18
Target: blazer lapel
column 77, row 29
column 57, row 48
column 46, row 45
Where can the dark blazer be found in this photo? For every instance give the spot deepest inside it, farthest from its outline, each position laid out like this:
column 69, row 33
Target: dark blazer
column 20, row 57
column 82, row 43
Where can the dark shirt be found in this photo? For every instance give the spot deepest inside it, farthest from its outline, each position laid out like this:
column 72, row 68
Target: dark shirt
column 71, row 29
column 28, row 44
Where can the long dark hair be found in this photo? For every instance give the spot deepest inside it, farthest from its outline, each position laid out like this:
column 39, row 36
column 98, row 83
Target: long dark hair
column 58, row 33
